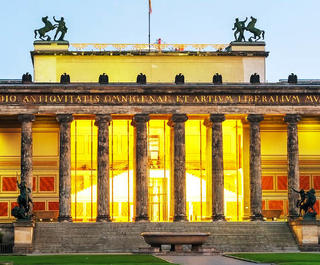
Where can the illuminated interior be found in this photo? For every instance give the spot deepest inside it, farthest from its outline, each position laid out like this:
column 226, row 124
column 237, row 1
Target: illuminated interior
column 199, row 175
column 121, row 142
column 233, row 169
column 159, row 164
column 160, row 149
column 198, row 170
column 83, row 170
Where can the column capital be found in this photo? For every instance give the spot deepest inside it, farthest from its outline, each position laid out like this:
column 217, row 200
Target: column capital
column 217, row 118
column 175, row 118
column 26, row 117
column 103, row 119
column 64, row 118
column 292, row 118
column 140, row 118
column 255, row 118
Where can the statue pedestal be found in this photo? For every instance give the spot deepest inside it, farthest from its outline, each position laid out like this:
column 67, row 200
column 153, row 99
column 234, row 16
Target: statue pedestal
column 306, row 232
column 41, row 45
column 23, row 237
column 247, row 46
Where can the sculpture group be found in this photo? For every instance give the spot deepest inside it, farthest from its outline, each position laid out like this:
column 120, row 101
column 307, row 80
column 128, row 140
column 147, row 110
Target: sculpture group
column 60, row 27
column 306, row 203
column 24, row 210
column 240, row 27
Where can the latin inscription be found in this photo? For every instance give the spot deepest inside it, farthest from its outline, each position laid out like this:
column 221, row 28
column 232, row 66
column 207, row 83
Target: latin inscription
column 119, row 99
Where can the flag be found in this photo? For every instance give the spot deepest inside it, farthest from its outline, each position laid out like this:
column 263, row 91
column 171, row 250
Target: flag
column 150, row 8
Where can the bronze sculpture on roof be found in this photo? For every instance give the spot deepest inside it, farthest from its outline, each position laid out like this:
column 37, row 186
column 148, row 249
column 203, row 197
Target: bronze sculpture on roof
column 42, row 33
column 240, row 28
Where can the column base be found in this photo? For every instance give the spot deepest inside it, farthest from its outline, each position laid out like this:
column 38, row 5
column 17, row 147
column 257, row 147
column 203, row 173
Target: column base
column 142, row 218
column 256, row 217
column 180, row 218
column 218, row 217
column 103, row 218
column 64, row 219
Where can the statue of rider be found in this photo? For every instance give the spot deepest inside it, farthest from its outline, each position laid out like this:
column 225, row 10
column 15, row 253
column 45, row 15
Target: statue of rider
column 61, row 27
column 240, row 27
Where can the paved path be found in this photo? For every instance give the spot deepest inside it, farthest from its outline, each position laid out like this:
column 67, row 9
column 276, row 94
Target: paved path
column 205, row 260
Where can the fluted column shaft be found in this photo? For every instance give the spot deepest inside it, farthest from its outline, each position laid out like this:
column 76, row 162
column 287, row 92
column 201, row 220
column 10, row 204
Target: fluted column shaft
column 293, row 163
column 255, row 167
column 103, row 192
column 217, row 168
column 65, row 168
column 140, row 123
column 26, row 150
column 178, row 123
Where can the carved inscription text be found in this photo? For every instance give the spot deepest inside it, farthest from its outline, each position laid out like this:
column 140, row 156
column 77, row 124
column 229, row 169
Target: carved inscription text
column 125, row 99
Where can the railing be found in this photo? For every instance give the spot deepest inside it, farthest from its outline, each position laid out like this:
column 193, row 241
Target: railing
column 155, row 47
column 6, row 248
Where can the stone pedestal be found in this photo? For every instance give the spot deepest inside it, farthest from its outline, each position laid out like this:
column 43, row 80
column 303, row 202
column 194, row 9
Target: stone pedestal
column 179, row 163
column 293, row 163
column 103, row 207
column 40, row 45
column 140, row 123
column 247, row 46
column 306, row 232
column 217, row 168
column 65, row 168
column 255, row 167
column 23, row 237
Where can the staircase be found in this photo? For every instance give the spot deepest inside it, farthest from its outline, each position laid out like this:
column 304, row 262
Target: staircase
column 125, row 237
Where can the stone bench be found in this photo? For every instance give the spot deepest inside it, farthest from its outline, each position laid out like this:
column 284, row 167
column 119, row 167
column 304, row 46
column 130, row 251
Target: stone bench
column 46, row 215
column 176, row 240
column 271, row 214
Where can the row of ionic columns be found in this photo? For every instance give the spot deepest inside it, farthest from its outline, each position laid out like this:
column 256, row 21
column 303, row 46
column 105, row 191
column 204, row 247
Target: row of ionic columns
column 177, row 122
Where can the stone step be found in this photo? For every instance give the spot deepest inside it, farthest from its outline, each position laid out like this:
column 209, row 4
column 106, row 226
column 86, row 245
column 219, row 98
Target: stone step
column 125, row 237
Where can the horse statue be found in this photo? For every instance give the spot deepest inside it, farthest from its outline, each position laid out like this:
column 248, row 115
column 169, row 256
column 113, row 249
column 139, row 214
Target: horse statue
column 306, row 203
column 42, row 31
column 257, row 33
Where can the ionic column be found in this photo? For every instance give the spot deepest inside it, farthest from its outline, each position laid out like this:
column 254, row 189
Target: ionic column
column 65, row 168
column 217, row 168
column 255, row 167
column 140, row 123
column 293, row 162
column 178, row 123
column 26, row 150
column 103, row 206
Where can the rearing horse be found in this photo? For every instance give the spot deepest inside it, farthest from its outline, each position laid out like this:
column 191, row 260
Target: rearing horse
column 42, row 31
column 256, row 32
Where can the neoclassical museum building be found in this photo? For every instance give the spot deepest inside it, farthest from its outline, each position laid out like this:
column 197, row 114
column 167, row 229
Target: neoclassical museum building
column 194, row 150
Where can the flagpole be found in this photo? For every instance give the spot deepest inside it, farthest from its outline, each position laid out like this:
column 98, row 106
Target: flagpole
column 149, row 26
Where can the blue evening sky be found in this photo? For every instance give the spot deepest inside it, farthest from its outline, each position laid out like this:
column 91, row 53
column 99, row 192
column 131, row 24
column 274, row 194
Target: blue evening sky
column 292, row 28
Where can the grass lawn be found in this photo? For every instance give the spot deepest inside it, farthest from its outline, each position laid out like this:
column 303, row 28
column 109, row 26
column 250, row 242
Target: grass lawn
column 85, row 259
column 283, row 258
